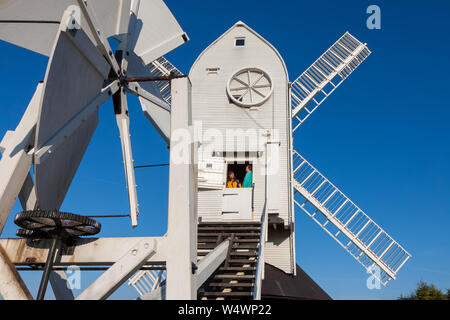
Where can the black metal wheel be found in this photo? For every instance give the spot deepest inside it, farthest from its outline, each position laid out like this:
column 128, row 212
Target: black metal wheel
column 23, row 233
column 45, row 224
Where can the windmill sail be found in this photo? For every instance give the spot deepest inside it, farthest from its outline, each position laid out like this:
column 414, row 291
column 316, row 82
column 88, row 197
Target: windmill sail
column 356, row 232
column 318, row 81
column 34, row 24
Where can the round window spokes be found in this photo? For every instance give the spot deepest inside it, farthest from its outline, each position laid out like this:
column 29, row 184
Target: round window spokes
column 250, row 87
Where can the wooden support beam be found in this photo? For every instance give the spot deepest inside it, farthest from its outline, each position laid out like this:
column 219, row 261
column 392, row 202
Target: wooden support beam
column 119, row 272
column 12, row 286
column 84, row 252
column 182, row 221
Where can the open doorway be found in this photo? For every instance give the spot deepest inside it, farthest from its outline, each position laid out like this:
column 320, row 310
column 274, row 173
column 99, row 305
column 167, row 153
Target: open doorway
column 239, row 171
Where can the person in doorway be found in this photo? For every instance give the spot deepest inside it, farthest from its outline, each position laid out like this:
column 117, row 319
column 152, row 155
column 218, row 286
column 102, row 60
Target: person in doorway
column 232, row 181
column 248, row 179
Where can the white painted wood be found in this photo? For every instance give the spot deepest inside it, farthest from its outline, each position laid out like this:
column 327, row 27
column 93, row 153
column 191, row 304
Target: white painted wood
column 34, row 24
column 58, row 281
column 278, row 243
column 182, row 220
column 16, row 162
column 70, row 128
column 211, row 262
column 12, row 286
column 210, row 75
column 99, row 36
column 119, row 272
column 156, row 33
column 159, row 294
column 211, row 173
column 85, row 252
column 68, row 89
column 27, row 195
column 123, row 123
column 206, row 268
column 273, row 178
column 237, row 204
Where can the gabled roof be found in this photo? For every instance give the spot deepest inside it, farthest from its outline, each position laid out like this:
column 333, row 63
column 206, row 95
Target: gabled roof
column 242, row 24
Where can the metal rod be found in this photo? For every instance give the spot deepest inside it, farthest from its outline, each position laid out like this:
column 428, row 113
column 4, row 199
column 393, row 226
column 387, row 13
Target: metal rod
column 147, row 79
column 47, row 269
column 84, row 268
column 110, row 216
column 152, row 165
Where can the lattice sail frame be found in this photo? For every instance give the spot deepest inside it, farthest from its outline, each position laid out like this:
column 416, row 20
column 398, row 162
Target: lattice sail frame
column 345, row 222
column 162, row 67
column 146, row 281
column 314, row 85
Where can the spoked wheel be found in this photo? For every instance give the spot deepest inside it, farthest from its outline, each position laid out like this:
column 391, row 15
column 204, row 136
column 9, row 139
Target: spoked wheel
column 55, row 225
column 42, row 223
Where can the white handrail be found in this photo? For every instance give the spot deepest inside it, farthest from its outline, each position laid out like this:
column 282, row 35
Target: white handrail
column 260, row 262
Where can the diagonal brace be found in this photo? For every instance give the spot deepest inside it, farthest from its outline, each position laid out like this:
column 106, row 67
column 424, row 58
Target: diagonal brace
column 120, row 271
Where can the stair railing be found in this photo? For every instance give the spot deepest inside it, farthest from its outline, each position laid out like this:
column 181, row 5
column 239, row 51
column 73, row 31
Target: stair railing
column 260, row 259
column 260, row 264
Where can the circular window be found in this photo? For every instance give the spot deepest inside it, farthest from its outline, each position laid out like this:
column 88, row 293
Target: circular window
column 250, row 87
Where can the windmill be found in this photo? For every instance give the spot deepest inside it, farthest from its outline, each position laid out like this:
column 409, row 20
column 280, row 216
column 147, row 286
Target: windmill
column 221, row 242
column 255, row 77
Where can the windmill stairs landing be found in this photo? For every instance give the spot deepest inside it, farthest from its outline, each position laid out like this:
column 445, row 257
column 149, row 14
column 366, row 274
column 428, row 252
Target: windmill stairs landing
column 235, row 278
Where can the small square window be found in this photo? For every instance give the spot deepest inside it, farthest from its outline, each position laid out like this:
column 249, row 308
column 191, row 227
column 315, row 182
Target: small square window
column 240, row 42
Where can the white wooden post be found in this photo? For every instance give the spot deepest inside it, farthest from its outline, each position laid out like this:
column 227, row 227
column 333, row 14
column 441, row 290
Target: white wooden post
column 182, row 225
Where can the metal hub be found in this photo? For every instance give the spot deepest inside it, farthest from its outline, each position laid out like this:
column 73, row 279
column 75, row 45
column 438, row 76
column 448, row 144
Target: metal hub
column 57, row 226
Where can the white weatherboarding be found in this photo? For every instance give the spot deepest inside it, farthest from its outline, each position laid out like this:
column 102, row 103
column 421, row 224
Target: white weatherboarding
column 240, row 84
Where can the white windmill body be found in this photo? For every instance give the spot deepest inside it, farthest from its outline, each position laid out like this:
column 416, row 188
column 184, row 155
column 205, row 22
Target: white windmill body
column 244, row 129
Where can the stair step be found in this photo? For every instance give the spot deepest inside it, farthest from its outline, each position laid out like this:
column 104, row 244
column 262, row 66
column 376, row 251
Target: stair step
column 234, row 276
column 232, row 285
column 224, row 223
column 235, row 240
column 230, row 228
column 237, row 268
column 244, row 254
column 227, row 294
column 233, row 254
column 254, row 235
column 202, row 253
column 246, row 246
column 246, row 237
column 241, row 261
column 236, row 246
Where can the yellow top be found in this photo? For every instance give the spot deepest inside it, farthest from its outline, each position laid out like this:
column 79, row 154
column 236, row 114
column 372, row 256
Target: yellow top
column 233, row 184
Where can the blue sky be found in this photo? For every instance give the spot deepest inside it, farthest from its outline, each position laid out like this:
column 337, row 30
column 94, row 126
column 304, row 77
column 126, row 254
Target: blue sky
column 383, row 137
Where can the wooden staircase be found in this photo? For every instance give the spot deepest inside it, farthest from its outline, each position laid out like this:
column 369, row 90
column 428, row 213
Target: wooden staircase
column 235, row 278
